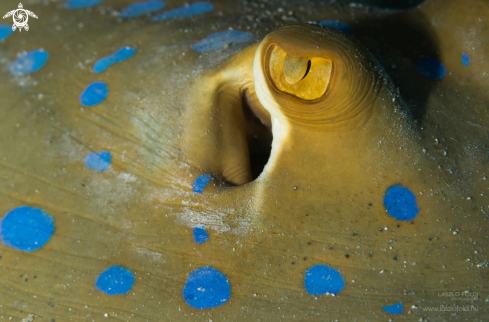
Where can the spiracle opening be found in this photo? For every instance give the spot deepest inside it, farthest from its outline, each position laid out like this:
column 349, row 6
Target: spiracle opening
column 244, row 132
column 258, row 133
column 238, row 140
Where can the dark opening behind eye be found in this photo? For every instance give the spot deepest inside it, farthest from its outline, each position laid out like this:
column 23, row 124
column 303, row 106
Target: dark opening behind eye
column 259, row 138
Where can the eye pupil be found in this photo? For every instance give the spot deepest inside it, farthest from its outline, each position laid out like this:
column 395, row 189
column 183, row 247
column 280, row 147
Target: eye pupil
column 307, row 69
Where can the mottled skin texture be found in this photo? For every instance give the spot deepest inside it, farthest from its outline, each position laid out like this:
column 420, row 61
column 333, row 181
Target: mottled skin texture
column 320, row 201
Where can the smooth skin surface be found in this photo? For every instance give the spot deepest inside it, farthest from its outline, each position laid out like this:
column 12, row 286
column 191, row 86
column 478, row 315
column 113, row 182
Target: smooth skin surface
column 173, row 114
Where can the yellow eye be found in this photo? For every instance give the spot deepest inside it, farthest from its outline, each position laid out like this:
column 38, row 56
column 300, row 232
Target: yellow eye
column 304, row 77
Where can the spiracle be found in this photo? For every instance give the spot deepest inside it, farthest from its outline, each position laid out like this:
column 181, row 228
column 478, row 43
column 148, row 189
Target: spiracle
column 316, row 77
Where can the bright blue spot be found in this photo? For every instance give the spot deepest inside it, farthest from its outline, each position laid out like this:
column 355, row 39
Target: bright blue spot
column 221, row 39
column 322, row 279
column 98, row 161
column 5, row 31
column 77, row 4
column 206, row 288
column 400, row 203
column 29, row 62
column 394, row 309
column 123, row 54
column 200, row 235
column 94, row 94
column 26, row 228
column 201, row 182
column 120, row 55
column 102, row 64
column 431, row 68
column 141, row 9
column 184, row 12
column 115, row 280
column 465, row 59
column 336, row 25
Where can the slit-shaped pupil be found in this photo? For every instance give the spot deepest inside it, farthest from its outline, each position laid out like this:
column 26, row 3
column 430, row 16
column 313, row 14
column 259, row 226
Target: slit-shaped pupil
column 308, row 69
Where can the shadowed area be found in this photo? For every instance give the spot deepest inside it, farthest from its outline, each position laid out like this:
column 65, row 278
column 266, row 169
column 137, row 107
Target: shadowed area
column 392, row 4
column 395, row 52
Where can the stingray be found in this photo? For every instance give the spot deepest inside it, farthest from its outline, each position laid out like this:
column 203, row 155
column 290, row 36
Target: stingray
column 174, row 169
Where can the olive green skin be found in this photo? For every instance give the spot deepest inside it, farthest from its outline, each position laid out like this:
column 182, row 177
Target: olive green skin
column 319, row 199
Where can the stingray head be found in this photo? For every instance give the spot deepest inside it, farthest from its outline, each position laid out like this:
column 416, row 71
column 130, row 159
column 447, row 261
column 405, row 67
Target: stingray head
column 299, row 78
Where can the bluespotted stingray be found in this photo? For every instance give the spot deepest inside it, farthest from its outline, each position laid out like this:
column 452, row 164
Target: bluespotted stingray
column 244, row 162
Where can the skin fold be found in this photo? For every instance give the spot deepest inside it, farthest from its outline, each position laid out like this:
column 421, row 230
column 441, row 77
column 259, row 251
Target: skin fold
column 295, row 182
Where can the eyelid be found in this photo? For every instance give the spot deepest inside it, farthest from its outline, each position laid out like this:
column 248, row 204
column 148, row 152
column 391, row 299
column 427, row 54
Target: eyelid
column 295, row 68
column 306, row 78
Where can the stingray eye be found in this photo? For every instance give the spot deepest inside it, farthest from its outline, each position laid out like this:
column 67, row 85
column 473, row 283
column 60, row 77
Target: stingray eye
column 316, row 77
column 303, row 77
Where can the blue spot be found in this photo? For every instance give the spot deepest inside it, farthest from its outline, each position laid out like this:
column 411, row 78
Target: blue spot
column 206, row 288
column 431, row 68
column 400, row 203
column 120, row 55
column 102, row 64
column 29, row 62
column 201, row 182
column 123, row 54
column 184, row 12
column 200, row 235
column 465, row 59
column 322, row 279
column 94, row 94
column 222, row 39
column 5, row 31
column 98, row 161
column 115, row 280
column 394, row 309
column 77, row 4
column 141, row 9
column 26, row 228
column 336, row 25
